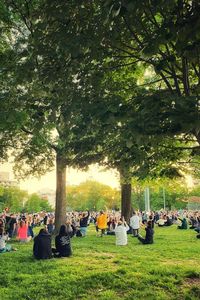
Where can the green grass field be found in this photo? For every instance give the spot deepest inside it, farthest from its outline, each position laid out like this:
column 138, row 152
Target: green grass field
column 168, row 269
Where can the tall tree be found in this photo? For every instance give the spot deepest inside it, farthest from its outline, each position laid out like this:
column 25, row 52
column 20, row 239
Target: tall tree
column 52, row 55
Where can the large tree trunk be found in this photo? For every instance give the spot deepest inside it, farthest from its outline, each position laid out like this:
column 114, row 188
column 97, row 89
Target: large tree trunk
column 60, row 213
column 126, row 201
column 126, row 206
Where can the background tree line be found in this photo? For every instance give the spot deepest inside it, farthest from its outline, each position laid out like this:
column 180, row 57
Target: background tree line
column 20, row 201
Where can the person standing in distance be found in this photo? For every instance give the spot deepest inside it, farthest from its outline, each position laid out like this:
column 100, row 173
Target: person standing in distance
column 135, row 224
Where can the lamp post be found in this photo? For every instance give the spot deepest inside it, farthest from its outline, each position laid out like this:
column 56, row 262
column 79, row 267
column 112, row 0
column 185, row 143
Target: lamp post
column 164, row 202
column 147, row 199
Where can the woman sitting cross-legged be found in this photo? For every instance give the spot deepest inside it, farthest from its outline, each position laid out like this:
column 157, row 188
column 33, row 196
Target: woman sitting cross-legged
column 63, row 243
column 149, row 234
column 42, row 245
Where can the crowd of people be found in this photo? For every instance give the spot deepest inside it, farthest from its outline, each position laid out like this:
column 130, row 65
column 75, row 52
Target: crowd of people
column 21, row 227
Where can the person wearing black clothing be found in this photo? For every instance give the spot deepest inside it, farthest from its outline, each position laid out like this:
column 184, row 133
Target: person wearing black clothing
column 42, row 245
column 63, row 243
column 151, row 219
column 84, row 223
column 45, row 219
column 149, row 234
column 10, row 225
column 168, row 222
column 184, row 224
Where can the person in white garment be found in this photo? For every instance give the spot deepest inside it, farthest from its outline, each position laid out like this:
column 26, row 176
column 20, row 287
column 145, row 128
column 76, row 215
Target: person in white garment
column 135, row 224
column 121, row 233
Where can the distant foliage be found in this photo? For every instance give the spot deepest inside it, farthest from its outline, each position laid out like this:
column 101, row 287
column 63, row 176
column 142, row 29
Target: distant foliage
column 93, row 195
column 19, row 201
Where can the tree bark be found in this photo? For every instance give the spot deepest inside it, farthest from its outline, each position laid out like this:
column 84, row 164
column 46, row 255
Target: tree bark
column 126, row 206
column 60, row 212
column 126, row 201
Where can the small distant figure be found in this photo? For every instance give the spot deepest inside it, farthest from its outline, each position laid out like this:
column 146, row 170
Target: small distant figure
column 121, row 233
column 4, row 247
column 84, row 223
column 102, row 222
column 30, row 230
column 42, row 245
column 22, row 232
column 184, row 224
column 161, row 222
column 135, row 224
column 50, row 226
column 149, row 234
column 169, row 221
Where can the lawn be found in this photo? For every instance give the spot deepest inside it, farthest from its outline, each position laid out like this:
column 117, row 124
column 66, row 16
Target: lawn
column 168, row 269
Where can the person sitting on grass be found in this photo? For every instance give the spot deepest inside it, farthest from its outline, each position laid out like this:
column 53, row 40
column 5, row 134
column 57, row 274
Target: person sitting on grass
column 169, row 221
column 151, row 219
column 42, row 245
column 149, row 234
column 30, row 230
column 161, row 222
column 63, row 243
column 84, row 222
column 121, row 233
column 50, row 226
column 4, row 247
column 112, row 223
column 184, row 224
column 22, row 232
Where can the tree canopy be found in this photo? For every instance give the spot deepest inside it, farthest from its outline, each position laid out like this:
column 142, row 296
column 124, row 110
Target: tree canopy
column 115, row 82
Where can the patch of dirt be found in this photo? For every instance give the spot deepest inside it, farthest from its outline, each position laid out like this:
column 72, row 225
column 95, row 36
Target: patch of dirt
column 192, row 281
column 178, row 262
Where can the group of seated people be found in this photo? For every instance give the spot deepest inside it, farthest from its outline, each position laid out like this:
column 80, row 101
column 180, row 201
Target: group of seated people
column 42, row 244
column 121, row 233
column 110, row 223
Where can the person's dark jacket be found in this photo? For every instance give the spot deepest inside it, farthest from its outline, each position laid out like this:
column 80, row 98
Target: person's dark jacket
column 63, row 245
column 30, row 231
column 168, row 222
column 184, row 224
column 84, row 221
column 42, row 246
column 149, row 235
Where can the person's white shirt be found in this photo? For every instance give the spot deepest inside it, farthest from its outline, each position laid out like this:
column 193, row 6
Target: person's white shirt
column 3, row 239
column 135, row 222
column 121, row 234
